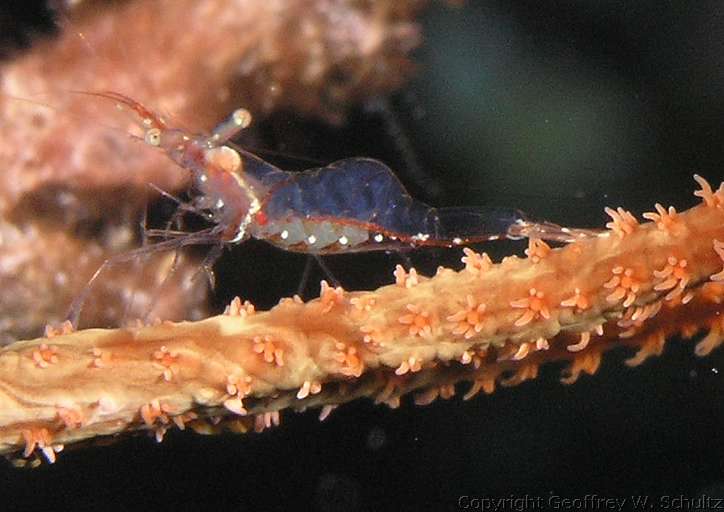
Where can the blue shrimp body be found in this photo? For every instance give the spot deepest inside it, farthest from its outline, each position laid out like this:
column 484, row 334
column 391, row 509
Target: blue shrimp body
column 357, row 205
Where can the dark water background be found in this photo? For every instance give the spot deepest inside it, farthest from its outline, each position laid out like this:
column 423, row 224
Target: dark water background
column 559, row 108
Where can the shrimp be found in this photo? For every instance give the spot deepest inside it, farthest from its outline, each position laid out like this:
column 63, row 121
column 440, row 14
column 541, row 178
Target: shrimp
column 352, row 205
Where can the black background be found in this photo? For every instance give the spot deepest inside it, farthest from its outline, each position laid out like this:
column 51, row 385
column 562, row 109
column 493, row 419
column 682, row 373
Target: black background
column 559, row 108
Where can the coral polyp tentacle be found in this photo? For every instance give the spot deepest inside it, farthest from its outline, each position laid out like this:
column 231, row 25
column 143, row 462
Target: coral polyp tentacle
column 623, row 223
column 666, row 220
column 708, row 195
column 719, row 249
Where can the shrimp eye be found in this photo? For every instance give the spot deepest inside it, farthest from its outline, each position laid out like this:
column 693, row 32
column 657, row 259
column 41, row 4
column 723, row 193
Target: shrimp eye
column 153, row 137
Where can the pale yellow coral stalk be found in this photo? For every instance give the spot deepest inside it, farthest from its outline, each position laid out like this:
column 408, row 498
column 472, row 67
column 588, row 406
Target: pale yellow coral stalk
column 634, row 285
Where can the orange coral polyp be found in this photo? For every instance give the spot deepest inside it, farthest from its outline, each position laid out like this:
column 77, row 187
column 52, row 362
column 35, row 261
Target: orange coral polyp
column 665, row 219
column 468, row 321
column 634, row 288
column 534, row 305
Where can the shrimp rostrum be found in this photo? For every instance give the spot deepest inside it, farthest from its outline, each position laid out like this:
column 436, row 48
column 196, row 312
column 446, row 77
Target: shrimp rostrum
column 352, row 205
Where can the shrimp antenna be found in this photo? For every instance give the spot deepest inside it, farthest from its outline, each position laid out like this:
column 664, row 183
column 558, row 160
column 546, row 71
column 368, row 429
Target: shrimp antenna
column 294, row 157
column 65, row 112
column 150, row 119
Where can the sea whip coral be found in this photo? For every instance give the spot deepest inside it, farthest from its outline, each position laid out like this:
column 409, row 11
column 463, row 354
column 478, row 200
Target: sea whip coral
column 635, row 285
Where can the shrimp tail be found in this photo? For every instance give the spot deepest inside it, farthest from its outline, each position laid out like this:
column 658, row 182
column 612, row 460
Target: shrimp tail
column 473, row 224
column 524, row 228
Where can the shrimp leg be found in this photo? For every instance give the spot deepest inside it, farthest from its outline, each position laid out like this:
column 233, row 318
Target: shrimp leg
column 200, row 238
column 305, row 275
column 332, row 280
column 159, row 289
column 308, row 269
column 207, row 266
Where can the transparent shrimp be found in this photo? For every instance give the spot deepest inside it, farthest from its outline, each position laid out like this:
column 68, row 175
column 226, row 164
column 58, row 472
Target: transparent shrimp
column 352, row 205
column 359, row 205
